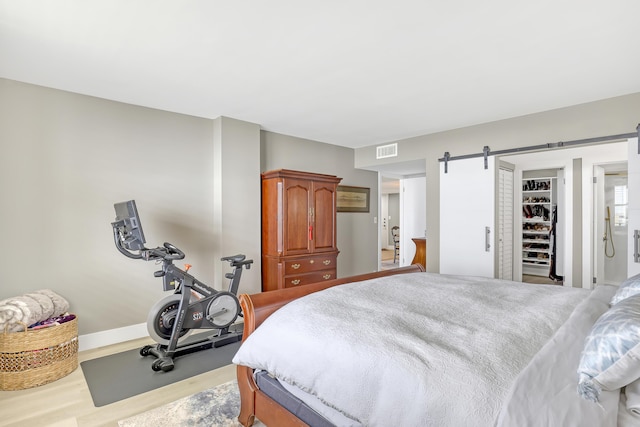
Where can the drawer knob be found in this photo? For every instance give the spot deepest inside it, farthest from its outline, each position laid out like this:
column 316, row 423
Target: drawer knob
column 311, row 261
column 295, row 266
column 327, row 276
column 326, row 262
column 295, row 282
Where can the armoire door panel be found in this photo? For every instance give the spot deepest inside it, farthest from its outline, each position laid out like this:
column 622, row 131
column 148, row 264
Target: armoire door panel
column 297, row 209
column 323, row 217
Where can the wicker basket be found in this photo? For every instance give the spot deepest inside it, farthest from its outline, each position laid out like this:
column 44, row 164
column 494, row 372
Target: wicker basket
column 36, row 357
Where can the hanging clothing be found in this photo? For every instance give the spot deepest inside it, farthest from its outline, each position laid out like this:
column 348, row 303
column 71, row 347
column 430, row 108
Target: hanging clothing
column 552, row 237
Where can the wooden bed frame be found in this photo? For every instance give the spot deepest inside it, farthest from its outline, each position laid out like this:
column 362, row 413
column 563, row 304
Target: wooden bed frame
column 256, row 308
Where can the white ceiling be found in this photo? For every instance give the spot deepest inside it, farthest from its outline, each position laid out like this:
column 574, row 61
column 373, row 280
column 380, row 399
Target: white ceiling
column 350, row 73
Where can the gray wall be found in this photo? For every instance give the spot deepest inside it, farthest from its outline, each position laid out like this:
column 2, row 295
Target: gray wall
column 66, row 158
column 601, row 118
column 236, row 197
column 357, row 232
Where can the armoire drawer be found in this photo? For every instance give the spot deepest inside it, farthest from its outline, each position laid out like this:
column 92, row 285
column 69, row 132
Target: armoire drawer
column 306, row 279
column 310, row 264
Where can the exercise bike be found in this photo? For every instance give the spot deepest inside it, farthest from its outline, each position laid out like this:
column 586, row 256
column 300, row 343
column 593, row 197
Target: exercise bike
column 193, row 305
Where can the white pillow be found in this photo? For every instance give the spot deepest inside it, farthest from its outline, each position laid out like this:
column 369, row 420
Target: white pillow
column 611, row 356
column 628, row 288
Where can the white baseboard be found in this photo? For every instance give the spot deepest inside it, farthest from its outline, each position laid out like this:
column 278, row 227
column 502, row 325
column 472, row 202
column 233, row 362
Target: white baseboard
column 112, row 336
column 115, row 336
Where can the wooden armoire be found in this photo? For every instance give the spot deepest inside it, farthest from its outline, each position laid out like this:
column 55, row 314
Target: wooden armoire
column 298, row 228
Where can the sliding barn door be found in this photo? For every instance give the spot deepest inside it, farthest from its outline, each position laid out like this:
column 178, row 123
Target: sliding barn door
column 598, row 224
column 467, row 212
column 633, row 257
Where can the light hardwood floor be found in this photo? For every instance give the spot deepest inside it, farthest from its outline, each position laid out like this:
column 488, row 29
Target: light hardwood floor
column 387, row 260
column 67, row 401
column 539, row 280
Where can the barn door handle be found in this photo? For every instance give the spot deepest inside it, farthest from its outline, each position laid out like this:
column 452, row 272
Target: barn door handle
column 487, row 239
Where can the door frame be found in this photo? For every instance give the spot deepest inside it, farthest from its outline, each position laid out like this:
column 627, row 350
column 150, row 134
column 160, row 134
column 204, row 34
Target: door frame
column 501, row 240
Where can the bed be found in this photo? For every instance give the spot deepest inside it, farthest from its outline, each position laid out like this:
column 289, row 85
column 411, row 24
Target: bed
column 404, row 347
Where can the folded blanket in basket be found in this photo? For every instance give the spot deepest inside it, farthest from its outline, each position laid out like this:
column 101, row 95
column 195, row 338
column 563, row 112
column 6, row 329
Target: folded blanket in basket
column 18, row 312
column 60, row 305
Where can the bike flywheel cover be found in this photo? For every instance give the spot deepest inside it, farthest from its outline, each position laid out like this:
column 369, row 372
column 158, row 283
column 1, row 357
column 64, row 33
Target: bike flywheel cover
column 161, row 317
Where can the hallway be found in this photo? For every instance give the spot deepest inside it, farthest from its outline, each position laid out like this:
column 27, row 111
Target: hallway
column 387, row 260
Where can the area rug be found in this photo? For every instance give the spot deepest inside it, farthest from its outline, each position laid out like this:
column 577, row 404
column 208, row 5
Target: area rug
column 122, row 375
column 215, row 407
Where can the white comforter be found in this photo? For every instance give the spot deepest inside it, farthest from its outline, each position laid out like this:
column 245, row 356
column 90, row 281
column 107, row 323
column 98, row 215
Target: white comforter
column 411, row 350
column 545, row 394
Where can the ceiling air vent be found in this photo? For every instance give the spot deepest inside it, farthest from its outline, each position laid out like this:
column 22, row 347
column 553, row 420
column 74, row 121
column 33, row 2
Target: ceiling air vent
column 390, row 150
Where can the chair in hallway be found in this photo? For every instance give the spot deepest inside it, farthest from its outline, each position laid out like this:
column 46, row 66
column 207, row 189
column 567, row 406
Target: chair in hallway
column 395, row 233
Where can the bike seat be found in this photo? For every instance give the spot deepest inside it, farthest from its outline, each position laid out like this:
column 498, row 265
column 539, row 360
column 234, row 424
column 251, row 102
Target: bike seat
column 234, row 258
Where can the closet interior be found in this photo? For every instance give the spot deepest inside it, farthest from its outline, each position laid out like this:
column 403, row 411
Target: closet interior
column 542, row 223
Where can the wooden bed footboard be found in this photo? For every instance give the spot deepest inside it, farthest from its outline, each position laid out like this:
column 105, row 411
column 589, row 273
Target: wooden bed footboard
column 256, row 308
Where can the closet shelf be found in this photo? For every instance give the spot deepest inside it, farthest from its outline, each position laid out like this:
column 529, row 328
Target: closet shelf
column 535, row 261
column 536, row 250
column 526, row 240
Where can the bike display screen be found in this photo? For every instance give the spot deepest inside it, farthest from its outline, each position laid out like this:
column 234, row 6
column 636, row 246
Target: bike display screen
column 128, row 223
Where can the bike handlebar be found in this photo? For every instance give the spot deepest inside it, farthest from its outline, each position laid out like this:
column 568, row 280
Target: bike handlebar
column 122, row 249
column 167, row 252
column 170, row 252
column 173, row 252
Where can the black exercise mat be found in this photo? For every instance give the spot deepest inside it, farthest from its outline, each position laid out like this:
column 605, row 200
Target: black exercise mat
column 122, row 375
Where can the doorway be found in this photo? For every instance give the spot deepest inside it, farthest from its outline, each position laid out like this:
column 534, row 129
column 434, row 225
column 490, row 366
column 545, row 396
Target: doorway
column 389, row 218
column 610, row 207
column 402, row 204
column 543, row 222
